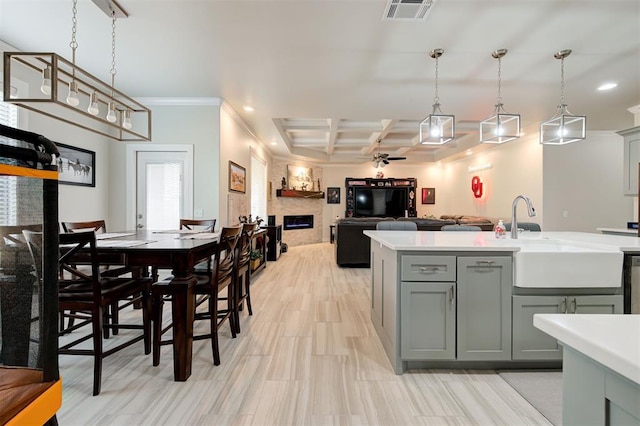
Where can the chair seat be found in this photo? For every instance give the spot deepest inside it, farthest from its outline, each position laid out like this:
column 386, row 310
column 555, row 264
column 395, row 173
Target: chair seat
column 111, row 290
column 19, row 386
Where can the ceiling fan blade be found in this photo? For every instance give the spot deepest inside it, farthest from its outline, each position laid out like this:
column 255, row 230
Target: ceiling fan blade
column 396, row 158
column 385, row 161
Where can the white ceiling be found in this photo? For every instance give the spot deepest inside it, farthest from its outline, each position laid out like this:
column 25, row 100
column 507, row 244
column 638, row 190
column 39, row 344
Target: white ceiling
column 328, row 77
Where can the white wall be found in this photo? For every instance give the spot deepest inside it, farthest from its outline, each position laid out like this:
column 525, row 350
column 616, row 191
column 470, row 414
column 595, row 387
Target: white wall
column 583, row 185
column 237, row 142
column 196, row 125
column 516, row 168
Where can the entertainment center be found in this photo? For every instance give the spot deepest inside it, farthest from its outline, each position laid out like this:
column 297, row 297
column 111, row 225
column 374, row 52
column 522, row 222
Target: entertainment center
column 371, row 197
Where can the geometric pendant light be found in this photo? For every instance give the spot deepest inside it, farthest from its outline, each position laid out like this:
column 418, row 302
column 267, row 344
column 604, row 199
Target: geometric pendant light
column 563, row 127
column 61, row 90
column 501, row 126
column 437, row 128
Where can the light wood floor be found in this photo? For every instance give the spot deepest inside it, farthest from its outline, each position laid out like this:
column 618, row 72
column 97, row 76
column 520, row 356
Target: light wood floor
column 307, row 356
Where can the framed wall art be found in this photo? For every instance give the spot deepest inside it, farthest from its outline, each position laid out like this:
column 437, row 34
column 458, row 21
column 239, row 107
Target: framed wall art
column 76, row 166
column 428, row 195
column 237, row 178
column 333, row 195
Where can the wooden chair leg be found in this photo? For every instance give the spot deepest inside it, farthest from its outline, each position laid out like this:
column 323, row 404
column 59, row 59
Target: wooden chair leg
column 146, row 321
column 247, row 290
column 213, row 309
column 156, row 306
column 97, row 324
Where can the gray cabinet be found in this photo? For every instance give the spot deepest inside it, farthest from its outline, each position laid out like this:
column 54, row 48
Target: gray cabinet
column 427, row 317
column 484, row 308
column 631, row 160
column 529, row 343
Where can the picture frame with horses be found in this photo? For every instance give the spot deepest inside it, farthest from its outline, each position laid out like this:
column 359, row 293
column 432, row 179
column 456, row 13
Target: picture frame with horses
column 76, row 166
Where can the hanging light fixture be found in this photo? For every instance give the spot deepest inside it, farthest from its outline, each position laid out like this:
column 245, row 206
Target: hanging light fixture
column 437, row 128
column 111, row 113
column 501, row 126
column 64, row 85
column 563, row 127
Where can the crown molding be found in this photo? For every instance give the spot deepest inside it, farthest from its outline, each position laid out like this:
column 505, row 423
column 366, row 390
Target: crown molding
column 181, row 101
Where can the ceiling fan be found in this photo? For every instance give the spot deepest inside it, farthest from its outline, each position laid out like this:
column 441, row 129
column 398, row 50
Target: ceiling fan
column 381, row 159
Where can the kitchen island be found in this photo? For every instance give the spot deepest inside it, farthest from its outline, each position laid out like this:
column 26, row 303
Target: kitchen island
column 601, row 367
column 467, row 299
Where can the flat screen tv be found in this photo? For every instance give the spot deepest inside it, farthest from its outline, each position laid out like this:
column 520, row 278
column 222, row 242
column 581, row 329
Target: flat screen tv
column 380, row 202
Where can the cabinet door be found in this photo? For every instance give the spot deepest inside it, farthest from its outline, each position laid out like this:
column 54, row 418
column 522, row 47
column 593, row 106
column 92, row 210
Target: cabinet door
column 484, row 308
column 529, row 343
column 595, row 304
column 631, row 160
column 427, row 321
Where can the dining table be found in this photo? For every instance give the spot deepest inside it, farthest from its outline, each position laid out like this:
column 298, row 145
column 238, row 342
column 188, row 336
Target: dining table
column 179, row 251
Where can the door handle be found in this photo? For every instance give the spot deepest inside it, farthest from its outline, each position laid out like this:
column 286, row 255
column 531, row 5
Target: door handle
column 575, row 306
column 563, row 306
column 139, row 226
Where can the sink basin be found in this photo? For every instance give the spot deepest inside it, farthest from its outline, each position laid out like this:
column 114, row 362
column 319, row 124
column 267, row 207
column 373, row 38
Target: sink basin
column 542, row 263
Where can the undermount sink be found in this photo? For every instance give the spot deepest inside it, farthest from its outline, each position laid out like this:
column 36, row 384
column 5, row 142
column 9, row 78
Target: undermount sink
column 543, row 263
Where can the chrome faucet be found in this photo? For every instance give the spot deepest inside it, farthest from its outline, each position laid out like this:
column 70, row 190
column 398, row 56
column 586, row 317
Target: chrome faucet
column 514, row 222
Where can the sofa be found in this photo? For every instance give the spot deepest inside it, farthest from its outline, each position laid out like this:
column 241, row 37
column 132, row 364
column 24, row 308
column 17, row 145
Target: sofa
column 353, row 247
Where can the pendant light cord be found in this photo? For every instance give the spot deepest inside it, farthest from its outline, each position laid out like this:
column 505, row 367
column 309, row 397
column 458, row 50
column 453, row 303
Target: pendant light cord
column 436, row 99
column 74, row 43
column 113, row 52
column 499, row 100
column 562, row 81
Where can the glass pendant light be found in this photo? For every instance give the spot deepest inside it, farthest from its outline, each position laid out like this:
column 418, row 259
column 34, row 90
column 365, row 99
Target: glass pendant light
column 563, row 127
column 111, row 113
column 126, row 119
column 94, row 107
column 46, row 81
column 501, row 126
column 437, row 128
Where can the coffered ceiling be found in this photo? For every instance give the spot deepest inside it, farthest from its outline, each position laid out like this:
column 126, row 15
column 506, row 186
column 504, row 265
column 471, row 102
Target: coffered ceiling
column 328, row 78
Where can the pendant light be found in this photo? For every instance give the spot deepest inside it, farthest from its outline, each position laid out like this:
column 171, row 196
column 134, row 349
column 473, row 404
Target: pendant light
column 437, row 128
column 72, row 96
column 563, row 127
column 111, row 110
column 501, row 127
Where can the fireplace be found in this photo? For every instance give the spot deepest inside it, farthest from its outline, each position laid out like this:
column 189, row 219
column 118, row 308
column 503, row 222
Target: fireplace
column 304, row 221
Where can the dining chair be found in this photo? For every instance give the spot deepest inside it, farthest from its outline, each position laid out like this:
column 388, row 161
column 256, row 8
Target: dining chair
column 220, row 276
column 89, row 294
column 396, row 225
column 205, row 225
column 525, row 226
column 460, row 228
column 98, row 226
column 243, row 271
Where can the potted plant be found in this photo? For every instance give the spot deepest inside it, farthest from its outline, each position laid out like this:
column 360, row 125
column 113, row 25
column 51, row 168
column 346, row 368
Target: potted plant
column 256, row 258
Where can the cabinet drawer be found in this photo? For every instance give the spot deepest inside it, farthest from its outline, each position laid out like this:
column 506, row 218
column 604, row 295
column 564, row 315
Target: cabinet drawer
column 428, row 268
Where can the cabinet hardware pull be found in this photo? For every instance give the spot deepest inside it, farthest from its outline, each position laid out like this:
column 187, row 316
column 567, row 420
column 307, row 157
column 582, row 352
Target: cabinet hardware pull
column 451, row 297
column 429, row 269
column 484, row 262
column 575, row 305
column 563, row 306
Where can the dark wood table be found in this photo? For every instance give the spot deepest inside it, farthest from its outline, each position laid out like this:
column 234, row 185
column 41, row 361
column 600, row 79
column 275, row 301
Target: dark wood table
column 167, row 251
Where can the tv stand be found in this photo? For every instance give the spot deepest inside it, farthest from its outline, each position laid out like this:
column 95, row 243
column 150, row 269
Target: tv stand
column 409, row 183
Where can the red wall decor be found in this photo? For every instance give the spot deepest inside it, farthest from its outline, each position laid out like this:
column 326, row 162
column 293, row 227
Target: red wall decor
column 476, row 186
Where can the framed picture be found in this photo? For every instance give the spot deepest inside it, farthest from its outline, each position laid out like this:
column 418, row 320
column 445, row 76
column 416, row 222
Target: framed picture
column 76, row 166
column 428, row 195
column 300, row 178
column 333, row 195
column 237, row 178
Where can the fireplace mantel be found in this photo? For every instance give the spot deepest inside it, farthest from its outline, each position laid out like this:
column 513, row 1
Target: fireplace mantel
column 299, row 194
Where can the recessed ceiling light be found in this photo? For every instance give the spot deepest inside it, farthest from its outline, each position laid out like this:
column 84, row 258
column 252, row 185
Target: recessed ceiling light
column 274, row 143
column 607, row 86
column 469, row 152
column 248, row 108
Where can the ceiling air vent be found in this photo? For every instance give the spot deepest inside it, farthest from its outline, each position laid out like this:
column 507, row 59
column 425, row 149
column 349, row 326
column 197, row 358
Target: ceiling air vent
column 407, row 10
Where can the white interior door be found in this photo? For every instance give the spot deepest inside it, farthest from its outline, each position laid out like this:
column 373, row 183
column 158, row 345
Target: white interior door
column 164, row 181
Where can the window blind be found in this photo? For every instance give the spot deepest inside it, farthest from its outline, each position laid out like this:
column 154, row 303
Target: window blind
column 258, row 187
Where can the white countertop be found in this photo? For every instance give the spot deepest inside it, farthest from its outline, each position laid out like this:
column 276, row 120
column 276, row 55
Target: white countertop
column 621, row 231
column 486, row 241
column 611, row 340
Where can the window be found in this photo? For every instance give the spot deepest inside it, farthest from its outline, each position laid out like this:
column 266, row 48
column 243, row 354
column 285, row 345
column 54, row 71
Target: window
column 258, row 187
column 8, row 184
